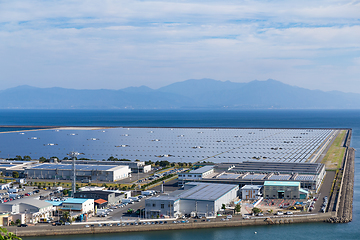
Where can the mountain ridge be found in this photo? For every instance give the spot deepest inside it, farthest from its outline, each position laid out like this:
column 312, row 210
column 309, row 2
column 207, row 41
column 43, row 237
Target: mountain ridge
column 191, row 93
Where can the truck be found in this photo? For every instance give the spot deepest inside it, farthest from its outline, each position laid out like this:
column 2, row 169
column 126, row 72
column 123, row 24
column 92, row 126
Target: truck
column 148, row 193
column 135, row 199
column 129, row 201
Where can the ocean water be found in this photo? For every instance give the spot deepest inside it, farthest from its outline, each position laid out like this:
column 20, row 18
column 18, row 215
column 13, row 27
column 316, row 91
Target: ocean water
column 211, row 118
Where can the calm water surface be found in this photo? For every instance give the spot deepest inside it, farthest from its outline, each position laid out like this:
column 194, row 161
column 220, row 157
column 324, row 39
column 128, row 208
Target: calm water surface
column 215, row 118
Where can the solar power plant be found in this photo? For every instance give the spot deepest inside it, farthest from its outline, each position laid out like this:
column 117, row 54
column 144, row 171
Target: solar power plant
column 255, row 176
column 172, row 144
column 280, row 177
column 305, row 178
column 229, row 176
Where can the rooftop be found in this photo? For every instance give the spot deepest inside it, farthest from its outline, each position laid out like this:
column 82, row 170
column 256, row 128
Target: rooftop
column 202, row 169
column 280, row 183
column 76, row 200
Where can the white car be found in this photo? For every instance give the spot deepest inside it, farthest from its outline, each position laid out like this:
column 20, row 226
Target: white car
column 279, row 213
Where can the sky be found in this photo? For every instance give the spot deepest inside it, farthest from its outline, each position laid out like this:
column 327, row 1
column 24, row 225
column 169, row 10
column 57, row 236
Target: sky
column 114, row 44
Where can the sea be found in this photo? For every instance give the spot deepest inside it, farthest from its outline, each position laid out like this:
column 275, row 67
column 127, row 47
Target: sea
column 270, row 118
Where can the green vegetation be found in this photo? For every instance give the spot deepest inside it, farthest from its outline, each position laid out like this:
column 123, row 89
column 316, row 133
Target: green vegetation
column 6, row 235
column 256, row 210
column 335, row 154
column 237, row 208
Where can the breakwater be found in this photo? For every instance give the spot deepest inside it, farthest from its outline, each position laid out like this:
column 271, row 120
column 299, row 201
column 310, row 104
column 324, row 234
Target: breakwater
column 343, row 195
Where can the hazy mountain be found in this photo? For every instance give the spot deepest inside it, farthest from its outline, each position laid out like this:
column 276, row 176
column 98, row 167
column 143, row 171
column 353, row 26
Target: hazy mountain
column 202, row 93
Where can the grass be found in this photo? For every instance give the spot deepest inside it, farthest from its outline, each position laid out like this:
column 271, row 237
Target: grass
column 335, row 154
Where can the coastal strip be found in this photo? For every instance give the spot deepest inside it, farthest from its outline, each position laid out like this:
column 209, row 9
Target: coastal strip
column 81, row 229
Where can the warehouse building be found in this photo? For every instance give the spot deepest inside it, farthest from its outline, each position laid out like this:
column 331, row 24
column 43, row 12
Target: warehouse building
column 135, row 166
column 310, row 175
column 196, row 199
column 108, row 173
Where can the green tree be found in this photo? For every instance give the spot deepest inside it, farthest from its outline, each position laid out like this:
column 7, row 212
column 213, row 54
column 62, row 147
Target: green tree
column 18, row 157
column 256, row 210
column 66, row 215
column 223, row 206
column 17, row 221
column 42, row 159
column 6, row 235
column 15, row 174
column 26, row 158
column 237, row 208
column 65, row 192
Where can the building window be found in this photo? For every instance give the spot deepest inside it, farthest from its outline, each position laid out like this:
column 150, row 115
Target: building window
column 154, row 204
column 162, row 205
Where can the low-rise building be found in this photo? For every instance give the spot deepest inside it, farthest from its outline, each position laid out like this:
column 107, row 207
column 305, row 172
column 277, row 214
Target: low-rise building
column 78, row 206
column 282, row 189
column 108, row 173
column 109, row 196
column 204, row 199
column 29, row 210
column 251, row 192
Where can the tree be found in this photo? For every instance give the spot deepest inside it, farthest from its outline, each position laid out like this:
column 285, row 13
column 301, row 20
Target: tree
column 237, row 208
column 26, row 158
column 256, row 210
column 223, row 206
column 66, row 215
column 6, row 235
column 17, row 221
column 42, row 159
column 65, row 192
column 18, row 157
column 15, row 174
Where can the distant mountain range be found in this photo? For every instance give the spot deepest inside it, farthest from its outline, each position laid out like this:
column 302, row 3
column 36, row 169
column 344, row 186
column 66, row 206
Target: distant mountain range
column 201, row 93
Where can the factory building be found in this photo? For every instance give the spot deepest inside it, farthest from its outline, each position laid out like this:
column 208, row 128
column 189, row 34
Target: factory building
column 134, row 166
column 280, row 189
column 310, row 175
column 196, row 199
column 108, row 173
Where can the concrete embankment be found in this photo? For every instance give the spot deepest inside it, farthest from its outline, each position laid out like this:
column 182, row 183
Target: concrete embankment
column 81, row 229
column 344, row 198
column 345, row 203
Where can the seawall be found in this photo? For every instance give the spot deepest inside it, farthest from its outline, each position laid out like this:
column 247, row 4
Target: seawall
column 81, row 229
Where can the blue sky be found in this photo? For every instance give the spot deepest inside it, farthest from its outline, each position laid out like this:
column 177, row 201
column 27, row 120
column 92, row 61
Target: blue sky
column 116, row 44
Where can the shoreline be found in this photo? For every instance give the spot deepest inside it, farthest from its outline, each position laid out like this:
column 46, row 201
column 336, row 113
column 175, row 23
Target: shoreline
column 81, row 229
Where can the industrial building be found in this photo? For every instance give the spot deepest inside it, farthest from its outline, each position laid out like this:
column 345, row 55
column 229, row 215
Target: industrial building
column 108, row 173
column 28, row 210
column 197, row 199
column 251, row 192
column 134, row 166
column 111, row 197
column 310, row 175
column 281, row 189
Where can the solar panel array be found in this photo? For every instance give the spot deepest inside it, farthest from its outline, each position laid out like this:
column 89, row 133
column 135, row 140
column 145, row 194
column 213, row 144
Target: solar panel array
column 281, row 177
column 229, row 176
column 172, row 144
column 305, row 178
column 255, row 176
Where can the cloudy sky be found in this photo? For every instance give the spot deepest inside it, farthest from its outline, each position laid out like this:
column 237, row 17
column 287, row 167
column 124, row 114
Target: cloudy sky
column 115, row 44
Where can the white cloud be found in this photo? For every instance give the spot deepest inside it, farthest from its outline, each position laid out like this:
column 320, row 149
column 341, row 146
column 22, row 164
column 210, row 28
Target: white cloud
column 116, row 44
